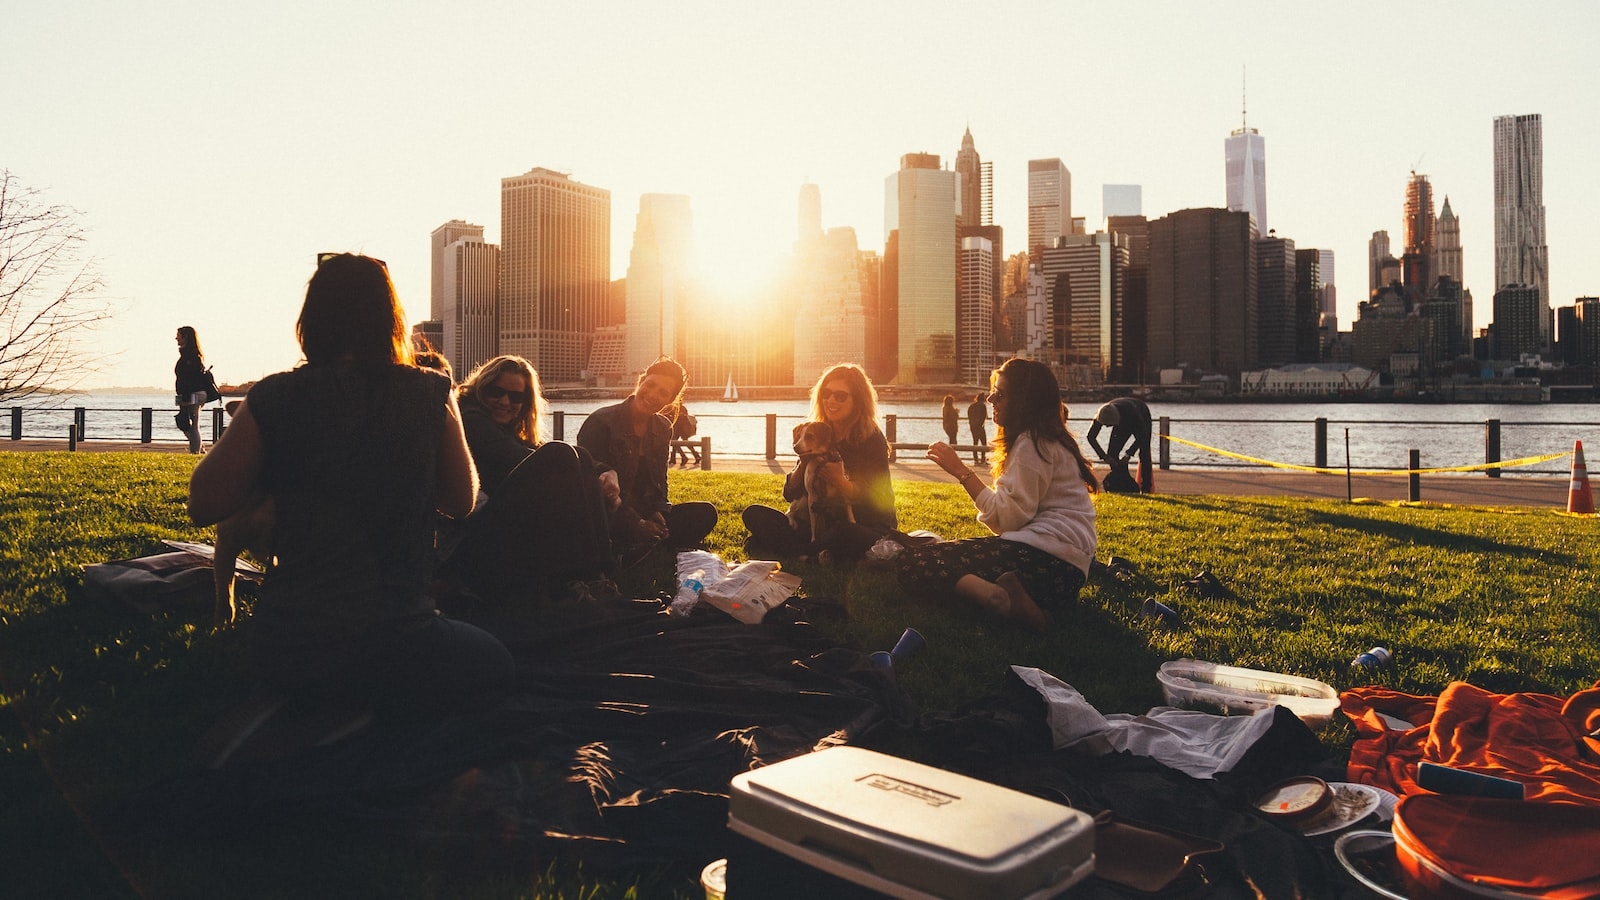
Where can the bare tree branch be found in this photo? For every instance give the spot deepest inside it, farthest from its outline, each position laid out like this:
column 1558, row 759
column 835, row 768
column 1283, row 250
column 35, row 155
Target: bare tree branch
column 49, row 294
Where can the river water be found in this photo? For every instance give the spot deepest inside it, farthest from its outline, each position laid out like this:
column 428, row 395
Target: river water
column 1380, row 434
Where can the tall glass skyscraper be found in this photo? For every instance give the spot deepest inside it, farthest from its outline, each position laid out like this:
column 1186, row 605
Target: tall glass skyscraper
column 1245, row 153
column 919, row 209
column 1521, row 256
column 1049, row 202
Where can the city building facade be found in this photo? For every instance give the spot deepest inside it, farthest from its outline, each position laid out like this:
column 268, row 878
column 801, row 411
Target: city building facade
column 659, row 286
column 470, row 278
column 1521, row 256
column 555, row 270
column 1245, row 163
column 1049, row 202
column 975, row 303
column 1202, row 291
column 920, row 207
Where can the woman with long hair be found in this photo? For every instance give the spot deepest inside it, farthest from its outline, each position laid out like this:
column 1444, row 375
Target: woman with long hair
column 845, row 399
column 190, row 385
column 633, row 437
column 1039, row 509
column 950, row 418
column 359, row 450
column 541, row 522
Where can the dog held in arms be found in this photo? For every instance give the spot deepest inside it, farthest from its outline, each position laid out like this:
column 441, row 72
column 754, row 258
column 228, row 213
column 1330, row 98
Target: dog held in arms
column 823, row 506
column 248, row 530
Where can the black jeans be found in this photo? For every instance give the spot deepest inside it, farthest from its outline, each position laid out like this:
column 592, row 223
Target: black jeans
column 545, row 525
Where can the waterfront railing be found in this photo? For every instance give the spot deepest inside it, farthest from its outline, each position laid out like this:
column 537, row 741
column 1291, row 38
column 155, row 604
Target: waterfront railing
column 1180, row 442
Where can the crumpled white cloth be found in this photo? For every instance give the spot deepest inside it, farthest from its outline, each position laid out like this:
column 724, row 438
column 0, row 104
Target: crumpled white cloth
column 1195, row 743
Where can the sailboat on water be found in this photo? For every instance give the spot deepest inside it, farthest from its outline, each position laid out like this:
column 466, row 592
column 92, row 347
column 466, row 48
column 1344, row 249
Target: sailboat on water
column 730, row 394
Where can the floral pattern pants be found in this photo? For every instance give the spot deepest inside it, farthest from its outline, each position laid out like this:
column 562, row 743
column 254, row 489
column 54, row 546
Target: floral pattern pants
column 929, row 569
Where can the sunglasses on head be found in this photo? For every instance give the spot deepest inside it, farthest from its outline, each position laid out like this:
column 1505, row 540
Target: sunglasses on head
column 839, row 396
column 495, row 392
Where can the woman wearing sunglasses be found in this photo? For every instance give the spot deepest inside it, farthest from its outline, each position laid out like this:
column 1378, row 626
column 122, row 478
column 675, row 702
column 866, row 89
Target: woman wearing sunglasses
column 845, row 399
column 1039, row 508
column 540, row 521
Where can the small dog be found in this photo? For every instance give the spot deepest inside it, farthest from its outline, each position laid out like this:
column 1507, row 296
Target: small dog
column 822, row 506
column 248, row 530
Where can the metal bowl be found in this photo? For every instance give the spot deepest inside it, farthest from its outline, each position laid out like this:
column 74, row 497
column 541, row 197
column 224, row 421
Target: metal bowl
column 1370, row 859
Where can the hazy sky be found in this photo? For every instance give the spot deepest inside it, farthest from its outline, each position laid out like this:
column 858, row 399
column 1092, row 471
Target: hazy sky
column 213, row 150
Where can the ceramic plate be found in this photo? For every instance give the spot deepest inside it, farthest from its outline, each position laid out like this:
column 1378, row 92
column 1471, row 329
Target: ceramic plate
column 1351, row 804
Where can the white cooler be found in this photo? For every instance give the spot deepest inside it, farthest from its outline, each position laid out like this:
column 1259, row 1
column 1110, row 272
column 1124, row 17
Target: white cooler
column 910, row 830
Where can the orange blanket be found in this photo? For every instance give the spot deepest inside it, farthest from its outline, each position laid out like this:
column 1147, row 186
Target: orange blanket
column 1549, row 744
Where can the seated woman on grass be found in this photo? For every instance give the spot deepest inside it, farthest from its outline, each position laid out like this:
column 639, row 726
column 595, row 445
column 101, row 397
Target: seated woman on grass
column 845, row 399
column 358, row 448
column 1039, row 509
column 542, row 519
column 633, row 437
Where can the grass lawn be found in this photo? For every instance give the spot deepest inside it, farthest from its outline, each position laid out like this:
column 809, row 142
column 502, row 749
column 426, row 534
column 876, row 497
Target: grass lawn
column 100, row 701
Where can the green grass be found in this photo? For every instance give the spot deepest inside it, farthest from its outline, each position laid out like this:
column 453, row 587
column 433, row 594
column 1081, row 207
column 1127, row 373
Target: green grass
column 100, row 701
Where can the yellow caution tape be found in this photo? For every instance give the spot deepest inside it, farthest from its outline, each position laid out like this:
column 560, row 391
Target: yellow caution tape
column 1327, row 470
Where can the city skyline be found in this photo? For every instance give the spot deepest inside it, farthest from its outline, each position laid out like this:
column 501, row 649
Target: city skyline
column 211, row 162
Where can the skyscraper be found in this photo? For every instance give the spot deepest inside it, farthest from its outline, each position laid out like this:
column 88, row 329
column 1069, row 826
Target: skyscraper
column 1090, row 272
column 1377, row 258
column 555, row 270
column 809, row 223
column 470, row 275
column 1245, row 158
column 829, row 324
column 1202, row 306
column 1417, row 262
column 1128, row 365
column 1329, row 302
column 975, row 311
column 443, row 236
column 1521, row 256
column 1121, row 200
column 969, row 169
column 658, row 285
column 1049, row 202
column 920, row 207
column 1447, row 244
column 1275, row 301
column 1517, row 312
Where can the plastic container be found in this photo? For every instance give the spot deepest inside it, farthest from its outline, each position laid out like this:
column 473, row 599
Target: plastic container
column 688, row 594
column 1460, row 847
column 910, row 830
column 714, row 879
column 1370, row 859
column 1376, row 658
column 1195, row 683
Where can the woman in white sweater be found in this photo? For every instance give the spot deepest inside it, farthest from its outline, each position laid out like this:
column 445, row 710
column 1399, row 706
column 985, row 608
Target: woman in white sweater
column 1039, row 508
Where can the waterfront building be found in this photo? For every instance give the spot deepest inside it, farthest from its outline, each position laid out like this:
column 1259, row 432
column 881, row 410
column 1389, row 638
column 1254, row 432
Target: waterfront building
column 555, row 270
column 883, row 345
column 995, row 235
column 1128, row 366
column 920, row 207
column 975, row 311
column 608, row 356
column 1037, row 323
column 1309, row 379
column 1417, row 262
column 1095, row 267
column 1517, row 314
column 1308, row 287
column 1447, row 259
column 1383, row 328
column 659, row 292
column 470, row 279
column 1587, row 311
column 829, row 323
column 1245, row 163
column 869, row 267
column 1049, row 202
column 808, row 217
column 1328, row 319
column 1202, row 291
column 1121, row 200
column 1440, row 340
column 1378, row 258
column 1521, row 256
column 442, row 237
column 1275, row 301
column 969, row 179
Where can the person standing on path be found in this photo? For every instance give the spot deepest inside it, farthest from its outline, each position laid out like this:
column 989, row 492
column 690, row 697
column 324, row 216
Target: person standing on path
column 1129, row 421
column 190, row 386
column 977, row 416
column 952, row 419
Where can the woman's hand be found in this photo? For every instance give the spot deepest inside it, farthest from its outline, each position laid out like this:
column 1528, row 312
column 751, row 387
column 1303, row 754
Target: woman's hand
column 946, row 458
column 610, row 489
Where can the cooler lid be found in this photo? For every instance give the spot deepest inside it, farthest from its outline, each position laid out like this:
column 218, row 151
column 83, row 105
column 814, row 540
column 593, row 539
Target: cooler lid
column 895, row 800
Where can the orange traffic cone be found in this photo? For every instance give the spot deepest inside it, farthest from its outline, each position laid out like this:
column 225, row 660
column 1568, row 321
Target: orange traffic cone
column 1579, row 498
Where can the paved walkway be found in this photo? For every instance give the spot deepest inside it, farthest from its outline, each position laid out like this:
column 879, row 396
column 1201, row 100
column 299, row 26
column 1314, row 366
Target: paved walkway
column 1459, row 490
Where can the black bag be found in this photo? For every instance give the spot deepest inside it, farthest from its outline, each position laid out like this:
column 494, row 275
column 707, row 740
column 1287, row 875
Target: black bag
column 213, row 394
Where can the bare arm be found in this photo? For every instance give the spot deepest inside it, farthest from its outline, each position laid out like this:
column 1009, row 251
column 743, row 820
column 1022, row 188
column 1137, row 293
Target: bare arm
column 457, row 478
column 226, row 478
column 946, row 458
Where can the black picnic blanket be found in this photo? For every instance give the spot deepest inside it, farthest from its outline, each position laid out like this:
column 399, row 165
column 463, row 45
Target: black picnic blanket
column 616, row 747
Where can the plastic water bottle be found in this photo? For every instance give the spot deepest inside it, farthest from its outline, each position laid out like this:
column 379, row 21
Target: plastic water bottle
column 688, row 594
column 1376, row 658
